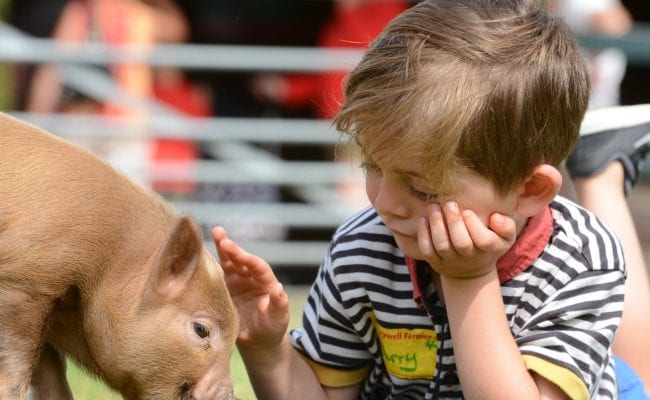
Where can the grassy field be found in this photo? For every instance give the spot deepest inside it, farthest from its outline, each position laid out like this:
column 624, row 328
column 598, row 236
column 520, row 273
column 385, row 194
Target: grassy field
column 88, row 388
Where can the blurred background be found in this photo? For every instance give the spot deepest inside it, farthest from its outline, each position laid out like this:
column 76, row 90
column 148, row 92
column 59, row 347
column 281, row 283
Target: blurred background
column 224, row 107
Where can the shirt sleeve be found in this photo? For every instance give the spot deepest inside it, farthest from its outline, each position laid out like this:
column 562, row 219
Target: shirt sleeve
column 568, row 339
column 329, row 340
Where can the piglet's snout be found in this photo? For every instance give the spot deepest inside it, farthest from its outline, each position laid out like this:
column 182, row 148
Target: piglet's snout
column 216, row 384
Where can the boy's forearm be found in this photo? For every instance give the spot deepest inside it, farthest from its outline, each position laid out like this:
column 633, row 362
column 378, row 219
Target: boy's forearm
column 488, row 360
column 281, row 373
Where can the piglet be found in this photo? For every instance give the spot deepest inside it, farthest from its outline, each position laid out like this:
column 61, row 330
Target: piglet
column 98, row 269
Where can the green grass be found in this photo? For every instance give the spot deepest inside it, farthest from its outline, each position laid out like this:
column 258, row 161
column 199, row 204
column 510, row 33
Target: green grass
column 86, row 387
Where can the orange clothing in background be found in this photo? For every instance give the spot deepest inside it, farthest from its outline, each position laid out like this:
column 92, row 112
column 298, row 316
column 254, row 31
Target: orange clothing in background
column 351, row 26
column 189, row 99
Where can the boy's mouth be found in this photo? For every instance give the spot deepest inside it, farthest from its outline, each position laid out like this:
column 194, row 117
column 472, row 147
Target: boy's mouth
column 400, row 233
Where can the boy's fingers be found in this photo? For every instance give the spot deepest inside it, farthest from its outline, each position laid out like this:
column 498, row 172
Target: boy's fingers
column 425, row 245
column 484, row 239
column 257, row 267
column 438, row 229
column 244, row 263
column 235, row 256
column 218, row 233
column 218, row 236
column 503, row 226
column 481, row 236
column 279, row 298
column 460, row 238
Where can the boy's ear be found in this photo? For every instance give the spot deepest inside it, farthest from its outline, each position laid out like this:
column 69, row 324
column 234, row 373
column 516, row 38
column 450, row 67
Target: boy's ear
column 539, row 189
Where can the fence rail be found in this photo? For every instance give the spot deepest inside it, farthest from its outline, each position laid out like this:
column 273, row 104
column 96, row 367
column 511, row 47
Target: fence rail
column 239, row 143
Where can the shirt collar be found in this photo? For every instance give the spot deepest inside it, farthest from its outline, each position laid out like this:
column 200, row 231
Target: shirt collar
column 527, row 248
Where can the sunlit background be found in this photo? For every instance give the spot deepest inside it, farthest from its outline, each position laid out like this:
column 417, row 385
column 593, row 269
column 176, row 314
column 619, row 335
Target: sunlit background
column 224, row 107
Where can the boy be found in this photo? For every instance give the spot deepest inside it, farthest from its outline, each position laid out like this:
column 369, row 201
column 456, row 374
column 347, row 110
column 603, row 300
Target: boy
column 467, row 277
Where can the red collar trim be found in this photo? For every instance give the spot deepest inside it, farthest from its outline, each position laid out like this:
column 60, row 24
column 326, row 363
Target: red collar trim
column 529, row 245
column 412, row 265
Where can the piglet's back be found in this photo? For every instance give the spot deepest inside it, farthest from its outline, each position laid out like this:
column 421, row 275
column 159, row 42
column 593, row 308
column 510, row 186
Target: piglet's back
column 58, row 201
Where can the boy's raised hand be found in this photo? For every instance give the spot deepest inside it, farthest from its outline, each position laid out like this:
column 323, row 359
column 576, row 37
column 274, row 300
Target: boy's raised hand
column 457, row 244
column 260, row 299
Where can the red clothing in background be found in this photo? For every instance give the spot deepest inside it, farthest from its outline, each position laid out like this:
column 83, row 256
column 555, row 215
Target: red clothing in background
column 350, row 27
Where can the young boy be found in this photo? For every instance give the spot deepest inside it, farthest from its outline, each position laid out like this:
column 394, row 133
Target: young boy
column 467, row 277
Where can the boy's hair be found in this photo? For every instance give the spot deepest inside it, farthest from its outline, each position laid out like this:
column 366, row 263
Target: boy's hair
column 494, row 86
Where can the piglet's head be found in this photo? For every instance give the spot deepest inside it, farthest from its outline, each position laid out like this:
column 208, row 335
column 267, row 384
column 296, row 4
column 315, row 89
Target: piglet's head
column 181, row 344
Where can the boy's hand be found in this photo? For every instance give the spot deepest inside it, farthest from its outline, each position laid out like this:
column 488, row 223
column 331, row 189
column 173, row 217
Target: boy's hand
column 260, row 299
column 459, row 245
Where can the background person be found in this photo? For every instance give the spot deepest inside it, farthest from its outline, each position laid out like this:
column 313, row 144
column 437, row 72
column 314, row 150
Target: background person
column 605, row 165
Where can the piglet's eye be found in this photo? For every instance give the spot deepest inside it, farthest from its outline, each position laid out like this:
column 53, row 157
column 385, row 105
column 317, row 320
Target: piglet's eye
column 200, row 330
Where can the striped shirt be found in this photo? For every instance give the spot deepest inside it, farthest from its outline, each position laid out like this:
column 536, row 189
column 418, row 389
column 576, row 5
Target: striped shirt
column 362, row 324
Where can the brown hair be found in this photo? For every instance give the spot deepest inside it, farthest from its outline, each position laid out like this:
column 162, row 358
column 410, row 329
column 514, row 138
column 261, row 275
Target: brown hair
column 494, row 86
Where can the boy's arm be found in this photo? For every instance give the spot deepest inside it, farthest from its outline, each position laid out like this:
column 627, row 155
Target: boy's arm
column 489, row 362
column 283, row 374
column 464, row 252
column 275, row 368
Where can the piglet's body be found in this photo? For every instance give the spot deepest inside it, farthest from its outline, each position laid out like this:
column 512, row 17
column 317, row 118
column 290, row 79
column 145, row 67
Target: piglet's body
column 98, row 269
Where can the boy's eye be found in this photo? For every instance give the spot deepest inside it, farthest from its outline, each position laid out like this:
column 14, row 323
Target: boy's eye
column 422, row 196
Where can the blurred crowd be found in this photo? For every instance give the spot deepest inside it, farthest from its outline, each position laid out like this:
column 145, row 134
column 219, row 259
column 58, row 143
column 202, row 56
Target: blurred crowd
column 311, row 23
column 324, row 23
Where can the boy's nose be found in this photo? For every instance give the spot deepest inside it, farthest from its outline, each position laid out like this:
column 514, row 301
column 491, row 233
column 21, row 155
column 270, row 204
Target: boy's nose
column 388, row 201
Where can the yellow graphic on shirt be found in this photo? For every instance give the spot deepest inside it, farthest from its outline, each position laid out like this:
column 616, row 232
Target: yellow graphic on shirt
column 408, row 353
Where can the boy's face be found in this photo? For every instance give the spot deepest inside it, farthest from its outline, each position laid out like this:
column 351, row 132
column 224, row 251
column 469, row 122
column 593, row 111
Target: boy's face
column 397, row 190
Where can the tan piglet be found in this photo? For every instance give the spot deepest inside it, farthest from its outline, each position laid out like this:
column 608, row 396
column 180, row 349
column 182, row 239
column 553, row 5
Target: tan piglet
column 98, row 269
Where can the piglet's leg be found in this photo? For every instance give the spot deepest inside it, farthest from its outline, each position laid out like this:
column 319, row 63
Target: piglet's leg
column 48, row 378
column 12, row 386
column 22, row 319
column 14, row 373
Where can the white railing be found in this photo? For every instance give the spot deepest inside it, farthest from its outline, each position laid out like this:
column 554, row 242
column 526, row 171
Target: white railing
column 234, row 140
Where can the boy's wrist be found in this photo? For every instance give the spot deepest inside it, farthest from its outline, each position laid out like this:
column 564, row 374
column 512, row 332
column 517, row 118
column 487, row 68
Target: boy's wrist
column 479, row 278
column 264, row 353
column 466, row 274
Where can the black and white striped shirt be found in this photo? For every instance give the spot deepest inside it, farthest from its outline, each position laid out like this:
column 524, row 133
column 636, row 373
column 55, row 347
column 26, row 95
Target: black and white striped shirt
column 361, row 323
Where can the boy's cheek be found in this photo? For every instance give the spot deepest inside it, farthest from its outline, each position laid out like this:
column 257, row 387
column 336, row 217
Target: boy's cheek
column 409, row 247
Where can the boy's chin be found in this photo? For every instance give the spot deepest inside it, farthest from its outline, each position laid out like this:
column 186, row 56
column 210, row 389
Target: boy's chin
column 409, row 247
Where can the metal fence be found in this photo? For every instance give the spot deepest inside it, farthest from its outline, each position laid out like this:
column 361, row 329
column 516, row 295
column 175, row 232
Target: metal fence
column 244, row 146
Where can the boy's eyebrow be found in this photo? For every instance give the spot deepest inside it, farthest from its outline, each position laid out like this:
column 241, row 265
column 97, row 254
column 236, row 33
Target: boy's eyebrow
column 409, row 174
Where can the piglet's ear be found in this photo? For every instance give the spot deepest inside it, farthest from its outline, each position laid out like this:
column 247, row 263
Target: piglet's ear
column 178, row 259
